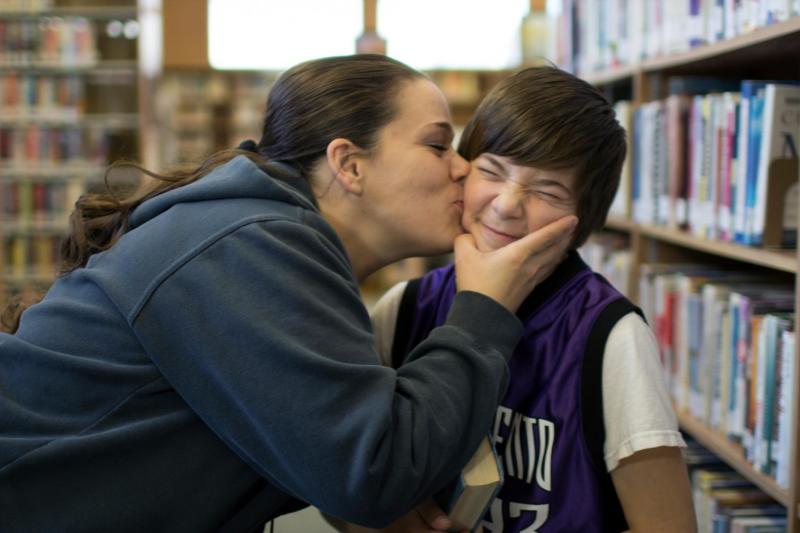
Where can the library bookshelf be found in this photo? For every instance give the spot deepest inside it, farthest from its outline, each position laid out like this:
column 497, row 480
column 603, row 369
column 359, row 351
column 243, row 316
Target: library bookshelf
column 70, row 101
column 766, row 53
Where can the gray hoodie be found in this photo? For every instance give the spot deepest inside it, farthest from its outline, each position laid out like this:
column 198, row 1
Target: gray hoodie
column 216, row 368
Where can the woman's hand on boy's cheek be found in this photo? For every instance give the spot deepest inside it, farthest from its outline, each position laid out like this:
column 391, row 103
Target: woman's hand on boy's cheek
column 509, row 274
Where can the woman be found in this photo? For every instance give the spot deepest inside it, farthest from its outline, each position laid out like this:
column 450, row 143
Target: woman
column 205, row 360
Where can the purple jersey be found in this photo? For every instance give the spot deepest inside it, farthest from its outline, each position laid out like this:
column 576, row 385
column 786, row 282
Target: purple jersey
column 548, row 430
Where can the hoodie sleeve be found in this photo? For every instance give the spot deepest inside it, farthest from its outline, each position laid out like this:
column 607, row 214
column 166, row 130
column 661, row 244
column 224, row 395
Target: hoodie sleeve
column 270, row 345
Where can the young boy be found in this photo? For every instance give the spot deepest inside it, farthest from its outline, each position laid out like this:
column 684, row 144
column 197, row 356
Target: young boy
column 586, row 433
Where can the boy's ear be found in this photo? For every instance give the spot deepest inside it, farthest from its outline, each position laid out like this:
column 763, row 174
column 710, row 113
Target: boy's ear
column 345, row 165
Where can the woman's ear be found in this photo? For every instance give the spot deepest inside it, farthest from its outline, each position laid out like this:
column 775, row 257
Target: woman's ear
column 345, row 165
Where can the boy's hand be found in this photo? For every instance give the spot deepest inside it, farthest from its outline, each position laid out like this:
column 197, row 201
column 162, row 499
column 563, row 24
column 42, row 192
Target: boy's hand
column 426, row 518
column 433, row 516
column 509, row 274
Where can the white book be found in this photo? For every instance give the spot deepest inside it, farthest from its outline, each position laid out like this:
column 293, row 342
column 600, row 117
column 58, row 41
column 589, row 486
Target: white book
column 695, row 158
column 781, row 10
column 621, row 27
column 636, row 31
column 719, row 408
column 751, row 18
column 769, row 444
column 714, row 308
column 716, row 21
column 620, row 205
column 730, row 18
column 788, row 413
column 653, row 29
column 778, row 140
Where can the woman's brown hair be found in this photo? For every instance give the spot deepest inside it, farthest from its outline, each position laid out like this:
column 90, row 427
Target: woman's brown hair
column 308, row 106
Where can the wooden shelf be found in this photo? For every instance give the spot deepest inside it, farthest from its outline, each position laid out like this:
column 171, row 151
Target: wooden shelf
column 35, row 227
column 97, row 13
column 733, row 455
column 783, row 260
column 612, row 76
column 762, row 42
column 26, row 280
column 49, row 172
column 88, row 120
column 106, row 67
column 619, row 224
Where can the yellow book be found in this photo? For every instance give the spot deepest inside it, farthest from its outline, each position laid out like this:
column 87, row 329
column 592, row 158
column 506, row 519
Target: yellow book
column 467, row 498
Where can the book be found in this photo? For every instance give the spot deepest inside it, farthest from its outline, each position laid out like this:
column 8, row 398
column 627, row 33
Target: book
column 677, row 118
column 467, row 498
column 768, row 376
column 778, row 140
column 786, row 414
column 621, row 205
column 721, row 521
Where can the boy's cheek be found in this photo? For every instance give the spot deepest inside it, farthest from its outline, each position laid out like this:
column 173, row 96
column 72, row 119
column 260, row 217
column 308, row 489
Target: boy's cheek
column 539, row 222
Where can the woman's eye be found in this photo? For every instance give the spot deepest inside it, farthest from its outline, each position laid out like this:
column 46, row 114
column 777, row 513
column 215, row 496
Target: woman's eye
column 441, row 148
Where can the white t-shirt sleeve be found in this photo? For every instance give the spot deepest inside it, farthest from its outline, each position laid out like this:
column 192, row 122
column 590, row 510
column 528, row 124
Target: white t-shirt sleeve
column 384, row 321
column 637, row 410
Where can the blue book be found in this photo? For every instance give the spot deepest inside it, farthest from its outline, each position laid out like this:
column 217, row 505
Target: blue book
column 755, row 129
column 467, row 499
column 748, row 90
column 746, row 188
column 635, row 170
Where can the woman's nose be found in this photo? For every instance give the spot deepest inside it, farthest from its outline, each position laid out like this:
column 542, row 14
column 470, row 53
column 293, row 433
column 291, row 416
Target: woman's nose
column 459, row 167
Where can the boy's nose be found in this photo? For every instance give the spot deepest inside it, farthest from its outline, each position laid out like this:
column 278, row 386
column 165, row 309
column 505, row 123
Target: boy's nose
column 508, row 203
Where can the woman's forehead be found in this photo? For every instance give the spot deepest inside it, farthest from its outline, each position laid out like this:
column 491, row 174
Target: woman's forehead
column 422, row 103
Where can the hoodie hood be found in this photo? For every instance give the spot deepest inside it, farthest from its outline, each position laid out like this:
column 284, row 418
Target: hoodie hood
column 239, row 178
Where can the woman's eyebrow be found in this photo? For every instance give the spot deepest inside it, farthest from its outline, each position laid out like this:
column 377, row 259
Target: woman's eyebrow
column 445, row 128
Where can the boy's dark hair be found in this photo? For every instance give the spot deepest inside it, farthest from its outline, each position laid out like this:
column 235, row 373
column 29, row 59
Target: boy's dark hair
column 546, row 118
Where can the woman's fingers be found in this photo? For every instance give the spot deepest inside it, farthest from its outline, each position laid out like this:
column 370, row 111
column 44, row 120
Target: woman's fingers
column 510, row 273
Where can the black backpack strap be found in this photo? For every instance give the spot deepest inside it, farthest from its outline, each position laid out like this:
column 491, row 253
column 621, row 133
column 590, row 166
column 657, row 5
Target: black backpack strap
column 405, row 321
column 594, row 431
